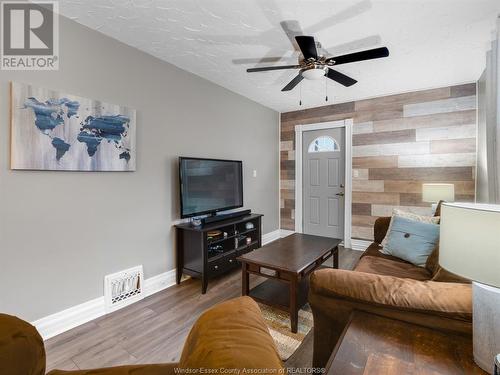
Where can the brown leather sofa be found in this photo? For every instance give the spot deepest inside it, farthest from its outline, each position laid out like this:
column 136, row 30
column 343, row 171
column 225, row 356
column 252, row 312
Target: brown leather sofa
column 390, row 287
column 231, row 335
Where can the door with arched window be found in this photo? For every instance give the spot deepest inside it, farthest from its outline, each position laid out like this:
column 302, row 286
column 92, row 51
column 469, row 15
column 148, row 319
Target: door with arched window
column 323, row 174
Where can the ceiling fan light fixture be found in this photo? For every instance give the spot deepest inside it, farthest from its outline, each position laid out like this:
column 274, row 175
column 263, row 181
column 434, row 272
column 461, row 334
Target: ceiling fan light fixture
column 314, row 73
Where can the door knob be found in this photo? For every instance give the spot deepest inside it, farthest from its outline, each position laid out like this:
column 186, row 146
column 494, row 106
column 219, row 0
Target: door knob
column 341, row 194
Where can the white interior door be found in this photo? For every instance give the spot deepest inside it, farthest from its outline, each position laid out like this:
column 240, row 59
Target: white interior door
column 323, row 182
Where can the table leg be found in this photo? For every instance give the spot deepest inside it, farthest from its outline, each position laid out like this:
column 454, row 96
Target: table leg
column 336, row 257
column 179, row 257
column 244, row 279
column 178, row 275
column 204, row 283
column 294, row 312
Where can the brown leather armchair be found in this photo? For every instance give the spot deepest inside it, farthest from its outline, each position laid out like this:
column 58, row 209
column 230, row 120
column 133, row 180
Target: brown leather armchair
column 229, row 335
column 387, row 286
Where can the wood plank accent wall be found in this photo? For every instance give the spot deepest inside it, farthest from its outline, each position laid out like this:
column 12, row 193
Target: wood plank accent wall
column 399, row 142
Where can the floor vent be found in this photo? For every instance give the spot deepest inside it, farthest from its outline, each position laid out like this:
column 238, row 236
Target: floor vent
column 123, row 288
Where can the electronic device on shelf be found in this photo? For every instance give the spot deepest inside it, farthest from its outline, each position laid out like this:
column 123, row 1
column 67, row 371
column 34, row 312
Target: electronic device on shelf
column 215, row 250
column 214, row 235
column 208, row 186
column 220, row 217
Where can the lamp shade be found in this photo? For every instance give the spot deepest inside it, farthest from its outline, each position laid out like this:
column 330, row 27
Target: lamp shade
column 436, row 192
column 469, row 243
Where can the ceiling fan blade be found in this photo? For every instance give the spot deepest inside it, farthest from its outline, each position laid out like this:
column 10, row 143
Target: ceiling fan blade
column 307, row 46
column 356, row 45
column 342, row 16
column 294, row 82
column 260, row 60
column 340, row 78
column 370, row 54
column 292, row 29
column 266, row 68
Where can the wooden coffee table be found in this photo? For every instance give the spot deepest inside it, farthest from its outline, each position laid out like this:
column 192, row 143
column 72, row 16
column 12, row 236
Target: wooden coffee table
column 286, row 263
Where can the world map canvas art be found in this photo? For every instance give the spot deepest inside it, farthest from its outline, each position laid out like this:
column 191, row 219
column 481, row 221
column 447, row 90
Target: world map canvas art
column 57, row 131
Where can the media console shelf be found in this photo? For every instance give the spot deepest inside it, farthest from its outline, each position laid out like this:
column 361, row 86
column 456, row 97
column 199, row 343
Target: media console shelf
column 202, row 255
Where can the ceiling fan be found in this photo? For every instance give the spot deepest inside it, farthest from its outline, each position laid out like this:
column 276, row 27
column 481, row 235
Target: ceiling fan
column 314, row 66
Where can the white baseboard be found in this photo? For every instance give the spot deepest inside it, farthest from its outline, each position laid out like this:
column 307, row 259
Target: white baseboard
column 72, row 317
column 360, row 245
column 285, row 232
column 65, row 320
column 159, row 282
column 270, row 237
column 275, row 235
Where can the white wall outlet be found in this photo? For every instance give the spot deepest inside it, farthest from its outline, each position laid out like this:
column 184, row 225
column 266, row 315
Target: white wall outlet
column 255, row 172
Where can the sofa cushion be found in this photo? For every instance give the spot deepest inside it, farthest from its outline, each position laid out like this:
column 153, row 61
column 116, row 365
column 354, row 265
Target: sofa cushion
column 439, row 273
column 445, row 276
column 374, row 251
column 232, row 335
column 387, row 267
column 432, row 263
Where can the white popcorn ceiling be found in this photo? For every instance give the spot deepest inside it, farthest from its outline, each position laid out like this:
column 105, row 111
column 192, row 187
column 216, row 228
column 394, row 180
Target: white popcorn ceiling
column 433, row 43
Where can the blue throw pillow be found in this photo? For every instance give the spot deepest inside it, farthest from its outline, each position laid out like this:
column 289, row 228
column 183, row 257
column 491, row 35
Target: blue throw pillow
column 412, row 241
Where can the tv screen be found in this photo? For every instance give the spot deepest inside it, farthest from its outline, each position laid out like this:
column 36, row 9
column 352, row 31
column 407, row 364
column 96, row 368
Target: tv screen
column 209, row 185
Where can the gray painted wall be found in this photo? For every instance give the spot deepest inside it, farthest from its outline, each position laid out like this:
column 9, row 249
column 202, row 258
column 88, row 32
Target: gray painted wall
column 61, row 232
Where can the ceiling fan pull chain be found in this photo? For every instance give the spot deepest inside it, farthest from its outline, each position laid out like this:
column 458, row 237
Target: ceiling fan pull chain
column 326, row 90
column 300, row 93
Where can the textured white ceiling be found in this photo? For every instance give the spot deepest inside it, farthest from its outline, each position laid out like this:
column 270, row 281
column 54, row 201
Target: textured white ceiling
column 432, row 43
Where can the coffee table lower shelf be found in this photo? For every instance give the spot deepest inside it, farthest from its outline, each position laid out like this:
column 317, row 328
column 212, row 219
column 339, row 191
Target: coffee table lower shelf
column 276, row 293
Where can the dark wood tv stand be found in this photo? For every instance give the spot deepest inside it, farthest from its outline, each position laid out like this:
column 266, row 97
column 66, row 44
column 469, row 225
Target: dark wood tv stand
column 201, row 256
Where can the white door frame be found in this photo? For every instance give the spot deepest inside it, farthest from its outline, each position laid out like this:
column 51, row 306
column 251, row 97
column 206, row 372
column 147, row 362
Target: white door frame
column 299, row 129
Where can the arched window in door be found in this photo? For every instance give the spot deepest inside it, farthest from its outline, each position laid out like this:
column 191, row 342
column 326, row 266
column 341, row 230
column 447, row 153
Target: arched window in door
column 323, row 144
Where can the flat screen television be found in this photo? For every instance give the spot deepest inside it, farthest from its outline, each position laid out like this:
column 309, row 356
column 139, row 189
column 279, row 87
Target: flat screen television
column 208, row 186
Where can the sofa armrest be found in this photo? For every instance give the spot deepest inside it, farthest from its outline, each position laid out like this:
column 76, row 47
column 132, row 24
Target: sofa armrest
column 21, row 347
column 335, row 294
column 380, row 228
column 164, row 369
column 446, row 299
column 232, row 335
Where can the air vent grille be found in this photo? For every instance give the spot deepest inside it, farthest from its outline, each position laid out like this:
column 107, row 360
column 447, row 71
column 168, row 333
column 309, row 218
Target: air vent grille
column 123, row 288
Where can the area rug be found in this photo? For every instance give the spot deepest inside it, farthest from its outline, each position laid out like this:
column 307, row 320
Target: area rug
column 278, row 322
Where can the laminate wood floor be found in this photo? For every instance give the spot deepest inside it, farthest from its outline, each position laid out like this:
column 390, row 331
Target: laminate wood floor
column 152, row 330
